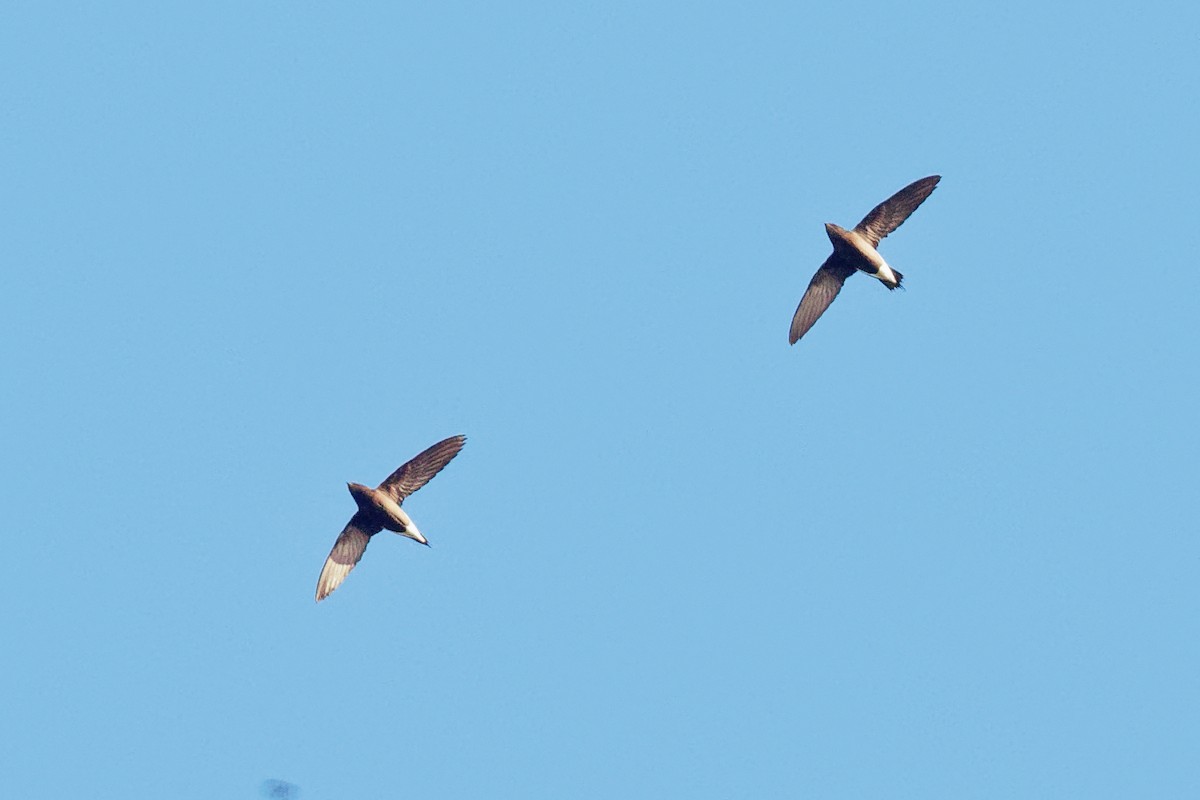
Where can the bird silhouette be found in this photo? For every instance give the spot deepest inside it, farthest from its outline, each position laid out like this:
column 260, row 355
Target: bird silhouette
column 855, row 251
column 379, row 509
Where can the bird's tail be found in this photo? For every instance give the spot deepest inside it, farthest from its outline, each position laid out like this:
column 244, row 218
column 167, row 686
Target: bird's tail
column 899, row 278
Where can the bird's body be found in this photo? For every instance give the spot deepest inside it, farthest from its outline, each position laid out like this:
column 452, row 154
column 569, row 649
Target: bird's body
column 379, row 509
column 856, row 251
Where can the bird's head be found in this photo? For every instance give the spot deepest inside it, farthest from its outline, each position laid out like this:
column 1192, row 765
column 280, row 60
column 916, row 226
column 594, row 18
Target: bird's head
column 361, row 495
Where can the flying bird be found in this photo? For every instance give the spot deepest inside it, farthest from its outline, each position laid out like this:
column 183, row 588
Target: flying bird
column 379, row 509
column 855, row 250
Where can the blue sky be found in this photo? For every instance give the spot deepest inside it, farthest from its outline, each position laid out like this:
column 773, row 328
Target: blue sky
column 943, row 547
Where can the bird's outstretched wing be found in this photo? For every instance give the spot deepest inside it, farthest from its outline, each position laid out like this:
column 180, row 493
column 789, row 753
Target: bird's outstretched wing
column 891, row 213
column 823, row 287
column 346, row 552
column 421, row 468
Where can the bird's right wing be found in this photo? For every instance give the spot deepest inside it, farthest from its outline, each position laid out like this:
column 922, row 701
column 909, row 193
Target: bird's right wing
column 823, row 287
column 346, row 552
column 891, row 213
column 421, row 468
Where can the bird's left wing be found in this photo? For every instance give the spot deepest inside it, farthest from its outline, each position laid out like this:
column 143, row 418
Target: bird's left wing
column 822, row 290
column 346, row 552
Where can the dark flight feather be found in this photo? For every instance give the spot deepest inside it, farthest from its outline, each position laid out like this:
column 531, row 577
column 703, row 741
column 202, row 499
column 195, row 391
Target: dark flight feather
column 822, row 289
column 421, row 468
column 891, row 213
column 346, row 552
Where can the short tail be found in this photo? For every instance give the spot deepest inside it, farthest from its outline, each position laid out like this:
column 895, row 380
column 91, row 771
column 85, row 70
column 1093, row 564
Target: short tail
column 899, row 279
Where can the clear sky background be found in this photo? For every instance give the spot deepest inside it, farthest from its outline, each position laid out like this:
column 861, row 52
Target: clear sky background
column 943, row 547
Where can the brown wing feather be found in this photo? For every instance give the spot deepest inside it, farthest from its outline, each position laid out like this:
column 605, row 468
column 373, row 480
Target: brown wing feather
column 822, row 289
column 891, row 213
column 346, row 552
column 421, row 468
